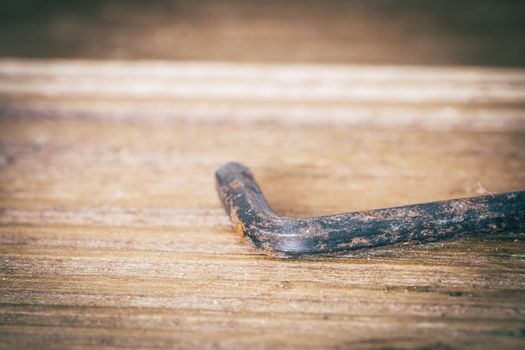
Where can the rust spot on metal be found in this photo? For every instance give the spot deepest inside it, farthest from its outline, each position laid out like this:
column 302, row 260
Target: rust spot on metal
column 237, row 223
column 233, row 185
column 255, row 221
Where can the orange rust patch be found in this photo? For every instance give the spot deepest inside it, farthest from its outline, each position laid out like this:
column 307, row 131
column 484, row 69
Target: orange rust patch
column 321, row 246
column 234, row 184
column 239, row 230
column 359, row 240
column 237, row 223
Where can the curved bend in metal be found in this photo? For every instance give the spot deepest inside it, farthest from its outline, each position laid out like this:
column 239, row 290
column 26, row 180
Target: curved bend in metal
column 250, row 213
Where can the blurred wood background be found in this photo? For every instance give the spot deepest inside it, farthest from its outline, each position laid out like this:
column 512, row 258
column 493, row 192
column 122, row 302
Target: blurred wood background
column 112, row 235
column 448, row 32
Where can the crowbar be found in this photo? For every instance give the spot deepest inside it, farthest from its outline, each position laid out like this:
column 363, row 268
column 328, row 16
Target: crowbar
column 294, row 237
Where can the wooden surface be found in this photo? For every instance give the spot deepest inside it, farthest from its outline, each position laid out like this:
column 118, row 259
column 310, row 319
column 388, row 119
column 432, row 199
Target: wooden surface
column 445, row 32
column 112, row 235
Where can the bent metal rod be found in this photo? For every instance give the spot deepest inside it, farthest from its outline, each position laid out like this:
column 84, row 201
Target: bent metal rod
column 284, row 236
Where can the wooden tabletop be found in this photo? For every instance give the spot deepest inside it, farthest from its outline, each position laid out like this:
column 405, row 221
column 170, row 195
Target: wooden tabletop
column 112, row 234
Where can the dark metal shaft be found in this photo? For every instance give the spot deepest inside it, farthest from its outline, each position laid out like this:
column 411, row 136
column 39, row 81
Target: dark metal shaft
column 250, row 213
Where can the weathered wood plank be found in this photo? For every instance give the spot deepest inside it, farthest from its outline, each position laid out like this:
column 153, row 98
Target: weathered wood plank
column 112, row 235
column 481, row 99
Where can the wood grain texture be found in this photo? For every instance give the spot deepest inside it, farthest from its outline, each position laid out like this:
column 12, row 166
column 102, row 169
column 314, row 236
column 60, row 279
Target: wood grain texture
column 112, row 235
column 448, row 32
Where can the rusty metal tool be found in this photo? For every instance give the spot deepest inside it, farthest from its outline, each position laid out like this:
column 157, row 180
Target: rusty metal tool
column 253, row 219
